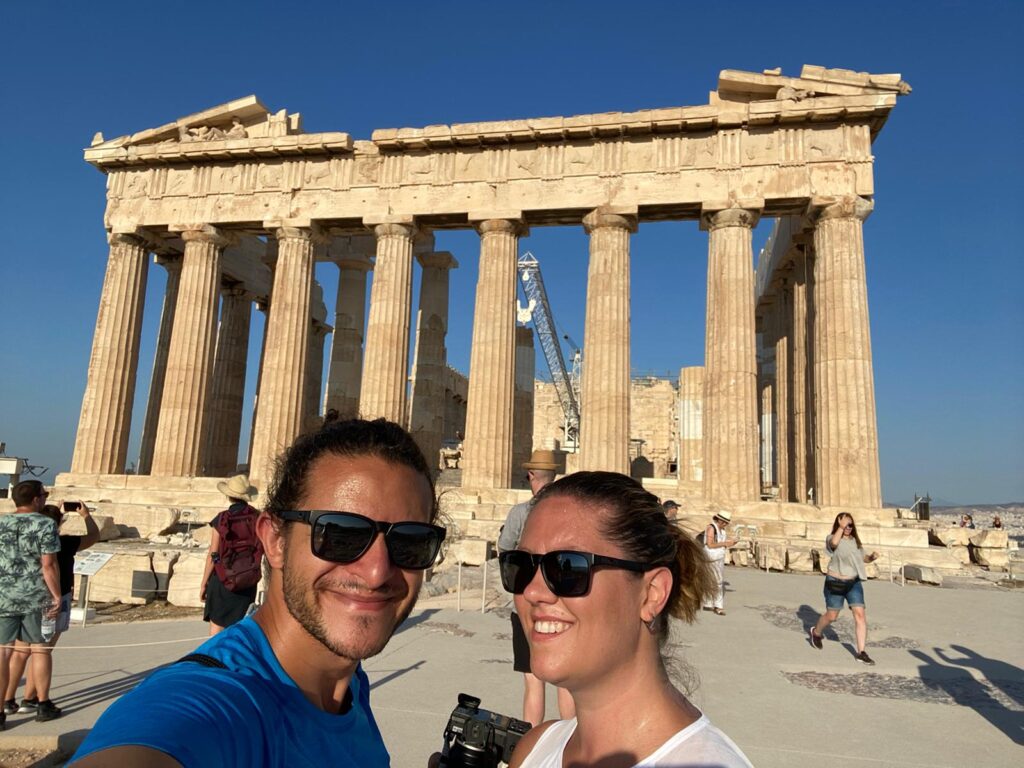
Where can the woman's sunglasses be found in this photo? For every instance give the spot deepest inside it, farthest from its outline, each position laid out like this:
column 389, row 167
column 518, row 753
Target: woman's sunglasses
column 566, row 572
column 344, row 537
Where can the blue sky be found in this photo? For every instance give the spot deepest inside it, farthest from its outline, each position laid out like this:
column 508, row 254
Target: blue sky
column 944, row 252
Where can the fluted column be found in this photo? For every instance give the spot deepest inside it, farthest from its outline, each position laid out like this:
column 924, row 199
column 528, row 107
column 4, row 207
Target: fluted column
column 101, row 445
column 263, row 305
column 382, row 391
column 314, row 375
column 800, row 384
column 781, row 406
column 229, row 369
column 346, row 367
column 172, row 264
column 604, row 390
column 426, row 408
column 283, row 379
column 730, row 360
column 846, row 436
column 691, row 432
column 489, row 407
column 181, row 432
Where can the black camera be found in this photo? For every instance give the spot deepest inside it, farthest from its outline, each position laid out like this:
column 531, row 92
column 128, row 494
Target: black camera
column 476, row 738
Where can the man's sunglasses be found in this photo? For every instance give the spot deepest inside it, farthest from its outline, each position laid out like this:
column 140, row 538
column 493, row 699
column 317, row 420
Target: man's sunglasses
column 344, row 537
column 566, row 572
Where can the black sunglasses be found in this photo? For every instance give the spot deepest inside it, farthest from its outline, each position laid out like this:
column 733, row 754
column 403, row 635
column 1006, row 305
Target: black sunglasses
column 344, row 537
column 566, row 572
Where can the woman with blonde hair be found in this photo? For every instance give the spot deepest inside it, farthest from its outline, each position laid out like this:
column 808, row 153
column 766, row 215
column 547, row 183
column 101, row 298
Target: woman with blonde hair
column 598, row 572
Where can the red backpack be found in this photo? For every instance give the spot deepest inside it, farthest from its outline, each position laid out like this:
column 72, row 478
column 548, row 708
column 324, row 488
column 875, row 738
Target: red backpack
column 239, row 564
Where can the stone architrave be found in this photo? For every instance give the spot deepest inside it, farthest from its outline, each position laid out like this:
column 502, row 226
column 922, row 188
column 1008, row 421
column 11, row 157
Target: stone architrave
column 846, row 433
column 346, row 367
column 604, row 390
column 282, row 382
column 229, row 368
column 426, row 406
column 490, row 401
column 781, row 323
column 800, row 384
column 314, row 376
column 181, row 432
column 522, row 415
column 101, row 445
column 382, row 392
column 691, row 433
column 730, row 360
column 172, row 265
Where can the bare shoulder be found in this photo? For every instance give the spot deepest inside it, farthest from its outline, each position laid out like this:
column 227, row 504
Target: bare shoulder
column 528, row 742
column 128, row 757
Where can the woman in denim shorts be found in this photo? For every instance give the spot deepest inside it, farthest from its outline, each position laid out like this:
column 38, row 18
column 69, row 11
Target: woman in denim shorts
column 844, row 582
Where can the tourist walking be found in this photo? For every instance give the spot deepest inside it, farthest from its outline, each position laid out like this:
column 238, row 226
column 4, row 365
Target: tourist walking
column 224, row 605
column 716, row 545
column 23, row 661
column 29, row 587
column 540, row 472
column 599, row 571
column 844, row 582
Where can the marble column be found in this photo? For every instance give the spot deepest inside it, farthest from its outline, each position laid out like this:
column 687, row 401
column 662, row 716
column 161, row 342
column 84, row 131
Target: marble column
column 312, row 418
column 229, row 367
column 489, row 407
column 262, row 305
column 181, row 432
column 101, row 445
column 522, row 415
column 604, row 390
column 172, row 265
column 846, row 436
column 691, row 433
column 800, row 387
column 382, row 392
column 781, row 322
column 426, row 407
column 283, row 379
column 346, row 367
column 730, row 360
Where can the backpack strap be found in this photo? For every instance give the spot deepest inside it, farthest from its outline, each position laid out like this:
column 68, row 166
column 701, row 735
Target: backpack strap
column 204, row 660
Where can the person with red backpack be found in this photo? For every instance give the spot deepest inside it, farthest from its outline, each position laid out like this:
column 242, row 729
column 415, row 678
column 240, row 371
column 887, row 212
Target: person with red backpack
column 234, row 560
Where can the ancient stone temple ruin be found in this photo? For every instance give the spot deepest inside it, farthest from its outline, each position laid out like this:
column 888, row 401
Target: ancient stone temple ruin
column 237, row 204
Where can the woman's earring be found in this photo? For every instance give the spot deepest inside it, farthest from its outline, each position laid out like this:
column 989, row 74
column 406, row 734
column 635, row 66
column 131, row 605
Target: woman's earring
column 652, row 623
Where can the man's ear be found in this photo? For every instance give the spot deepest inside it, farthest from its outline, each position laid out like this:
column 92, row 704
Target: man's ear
column 658, row 583
column 271, row 532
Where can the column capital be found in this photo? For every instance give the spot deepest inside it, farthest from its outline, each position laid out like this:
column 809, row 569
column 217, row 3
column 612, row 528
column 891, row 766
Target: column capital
column 711, row 220
column 437, row 260
column 395, row 229
column 502, row 226
column 310, row 233
column 610, row 217
column 127, row 238
column 169, row 260
column 361, row 263
column 846, row 207
column 203, row 233
column 236, row 290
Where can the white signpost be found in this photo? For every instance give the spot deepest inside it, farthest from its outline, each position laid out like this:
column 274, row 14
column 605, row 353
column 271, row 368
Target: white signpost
column 87, row 564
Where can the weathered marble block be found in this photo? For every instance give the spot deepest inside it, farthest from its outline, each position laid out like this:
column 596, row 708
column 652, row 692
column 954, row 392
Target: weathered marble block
column 183, row 585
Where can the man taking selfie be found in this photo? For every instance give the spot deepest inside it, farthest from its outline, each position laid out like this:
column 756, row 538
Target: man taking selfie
column 347, row 532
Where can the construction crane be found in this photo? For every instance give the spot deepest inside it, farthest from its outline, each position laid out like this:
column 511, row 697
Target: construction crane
column 539, row 310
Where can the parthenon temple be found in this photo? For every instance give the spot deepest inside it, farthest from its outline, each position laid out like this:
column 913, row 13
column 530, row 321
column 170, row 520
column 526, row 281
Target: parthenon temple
column 237, row 204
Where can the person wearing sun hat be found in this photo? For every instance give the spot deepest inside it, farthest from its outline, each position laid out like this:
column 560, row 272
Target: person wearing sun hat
column 224, row 607
column 540, row 472
column 715, row 546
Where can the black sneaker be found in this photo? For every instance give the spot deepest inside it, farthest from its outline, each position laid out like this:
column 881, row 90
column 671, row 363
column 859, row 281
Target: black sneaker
column 10, row 706
column 863, row 658
column 47, row 711
column 28, row 705
column 814, row 639
column 3, row 720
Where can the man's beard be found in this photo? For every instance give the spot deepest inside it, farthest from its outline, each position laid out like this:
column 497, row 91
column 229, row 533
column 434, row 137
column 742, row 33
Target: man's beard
column 300, row 597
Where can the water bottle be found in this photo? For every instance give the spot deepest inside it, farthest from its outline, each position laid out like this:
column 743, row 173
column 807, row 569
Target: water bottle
column 49, row 628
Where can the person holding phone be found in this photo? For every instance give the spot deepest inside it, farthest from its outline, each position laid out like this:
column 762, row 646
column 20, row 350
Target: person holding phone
column 598, row 572
column 844, row 582
column 37, row 676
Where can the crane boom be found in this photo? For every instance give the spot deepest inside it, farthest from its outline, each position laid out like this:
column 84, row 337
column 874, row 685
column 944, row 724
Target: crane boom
column 543, row 322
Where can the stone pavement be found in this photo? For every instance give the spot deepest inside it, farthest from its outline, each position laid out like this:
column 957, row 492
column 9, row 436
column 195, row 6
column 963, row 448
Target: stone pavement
column 948, row 689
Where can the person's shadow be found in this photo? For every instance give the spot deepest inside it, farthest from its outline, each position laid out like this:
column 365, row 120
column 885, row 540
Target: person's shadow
column 1004, row 676
column 966, row 691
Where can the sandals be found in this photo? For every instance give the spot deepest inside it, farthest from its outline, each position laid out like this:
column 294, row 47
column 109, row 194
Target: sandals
column 719, row 612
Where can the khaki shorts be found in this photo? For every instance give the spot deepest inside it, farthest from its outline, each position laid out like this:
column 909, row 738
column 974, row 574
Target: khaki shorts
column 26, row 627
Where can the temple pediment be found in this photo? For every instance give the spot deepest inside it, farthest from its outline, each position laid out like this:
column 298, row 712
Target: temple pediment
column 814, row 81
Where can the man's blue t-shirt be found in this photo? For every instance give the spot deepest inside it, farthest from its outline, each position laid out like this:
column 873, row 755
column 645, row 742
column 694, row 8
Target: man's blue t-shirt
column 249, row 714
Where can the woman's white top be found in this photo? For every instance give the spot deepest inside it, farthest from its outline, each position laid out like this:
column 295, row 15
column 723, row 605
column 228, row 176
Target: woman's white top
column 847, row 559
column 699, row 744
column 714, row 553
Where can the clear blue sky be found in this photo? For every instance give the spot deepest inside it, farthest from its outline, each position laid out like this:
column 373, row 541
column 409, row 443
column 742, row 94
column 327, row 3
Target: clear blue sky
column 944, row 254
